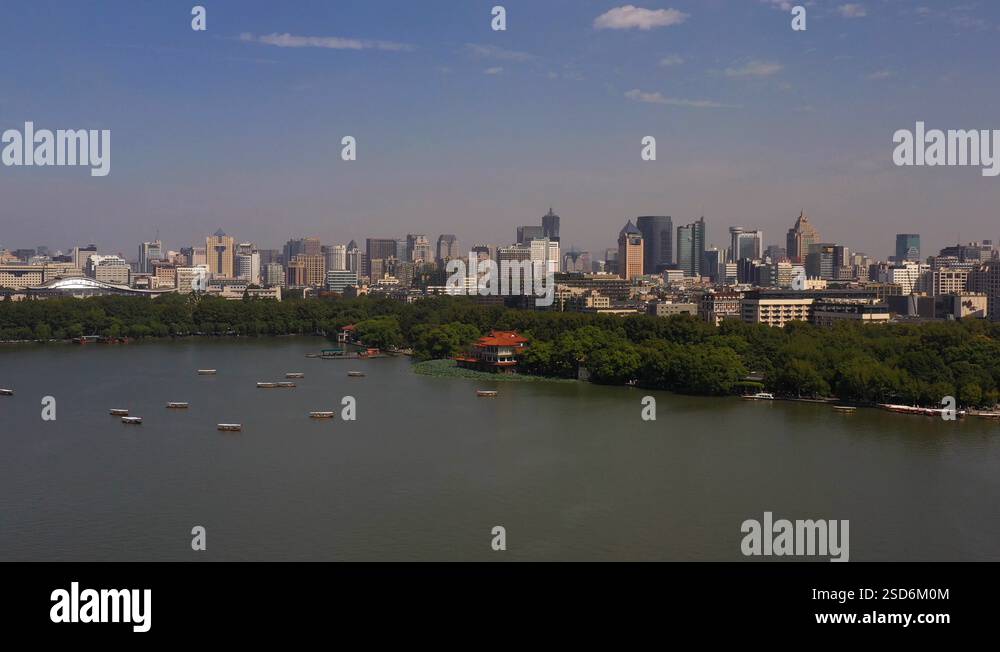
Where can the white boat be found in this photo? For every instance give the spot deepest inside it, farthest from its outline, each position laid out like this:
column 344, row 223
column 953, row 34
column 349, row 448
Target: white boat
column 295, row 374
column 844, row 408
column 286, row 384
column 321, row 415
column 135, row 420
column 177, row 404
column 267, row 385
column 230, row 427
column 6, row 392
column 759, row 396
column 118, row 412
column 355, row 374
column 206, row 372
column 487, row 393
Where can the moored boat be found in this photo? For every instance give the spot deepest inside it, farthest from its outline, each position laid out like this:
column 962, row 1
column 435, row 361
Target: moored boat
column 321, row 415
column 230, row 427
column 312, row 355
column 355, row 374
column 759, row 396
column 118, row 412
column 133, row 420
column 295, row 374
column 285, row 384
column 267, row 385
column 206, row 372
column 177, row 405
column 6, row 392
column 487, row 393
column 844, row 408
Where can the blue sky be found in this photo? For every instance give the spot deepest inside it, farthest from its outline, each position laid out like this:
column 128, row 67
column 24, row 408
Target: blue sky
column 464, row 130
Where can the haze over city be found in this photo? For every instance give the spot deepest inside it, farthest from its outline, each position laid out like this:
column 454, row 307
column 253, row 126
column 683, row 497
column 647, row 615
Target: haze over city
column 465, row 130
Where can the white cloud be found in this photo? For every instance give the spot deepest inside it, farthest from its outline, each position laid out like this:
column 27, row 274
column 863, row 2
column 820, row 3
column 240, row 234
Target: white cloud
column 852, row 10
column 784, row 5
column 495, row 70
column 671, row 60
column 754, row 69
column 328, row 42
column 493, row 52
column 657, row 98
column 879, row 74
column 632, row 17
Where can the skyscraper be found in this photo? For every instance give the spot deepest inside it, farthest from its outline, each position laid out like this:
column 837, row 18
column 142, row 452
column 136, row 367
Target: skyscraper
column 379, row 249
column 526, row 234
column 907, row 247
column 418, row 248
column 148, row 252
column 658, row 242
column 630, row 247
column 800, row 238
column 550, row 226
column 745, row 244
column 691, row 247
column 219, row 253
column 447, row 248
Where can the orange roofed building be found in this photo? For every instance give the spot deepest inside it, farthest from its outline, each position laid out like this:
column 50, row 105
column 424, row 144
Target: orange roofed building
column 496, row 352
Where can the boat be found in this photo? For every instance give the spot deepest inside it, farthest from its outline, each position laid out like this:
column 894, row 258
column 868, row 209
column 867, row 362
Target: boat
column 6, row 392
column 177, row 404
column 355, row 374
column 285, row 384
column 206, row 372
column 321, row 415
column 118, row 412
column 486, row 393
column 844, row 408
column 312, row 355
column 266, row 385
column 135, row 420
column 230, row 427
column 927, row 412
column 295, row 374
column 759, row 396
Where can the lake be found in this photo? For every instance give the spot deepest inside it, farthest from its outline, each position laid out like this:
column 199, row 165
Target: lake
column 570, row 470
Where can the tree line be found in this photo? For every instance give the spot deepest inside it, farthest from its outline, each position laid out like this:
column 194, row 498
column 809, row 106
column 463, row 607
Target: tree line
column 905, row 363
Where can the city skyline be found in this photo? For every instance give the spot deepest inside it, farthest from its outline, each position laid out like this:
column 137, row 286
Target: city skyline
column 464, row 130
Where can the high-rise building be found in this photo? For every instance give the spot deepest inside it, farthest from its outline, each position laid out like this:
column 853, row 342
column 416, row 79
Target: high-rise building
column 219, row 251
column 800, row 238
column 526, row 234
column 274, row 275
column 907, row 247
column 447, row 248
column 313, row 269
column 986, row 279
column 418, row 249
column 578, row 262
column 630, row 249
column 745, row 244
column 337, row 280
column 550, row 226
column 248, row 263
column 82, row 254
column 657, row 241
column 546, row 252
column 336, row 258
column 148, row 252
column 379, row 249
column 691, row 247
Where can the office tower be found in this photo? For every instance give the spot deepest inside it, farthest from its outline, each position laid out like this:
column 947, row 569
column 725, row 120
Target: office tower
column 526, row 234
column 986, row 280
column 337, row 280
column 336, row 258
column 691, row 247
column 268, row 256
column 800, row 238
column 550, row 226
column 308, row 246
column 248, row 263
column 820, row 261
column 630, row 246
column 710, row 262
column 545, row 252
column 199, row 256
column 658, row 242
column 313, row 269
column 355, row 258
column 148, row 252
column 447, row 248
column 81, row 254
column 219, row 251
column 907, row 247
column 379, row 249
column 418, row 249
column 108, row 269
column 274, row 275
column 577, row 262
column 776, row 253
column 745, row 244
column 295, row 272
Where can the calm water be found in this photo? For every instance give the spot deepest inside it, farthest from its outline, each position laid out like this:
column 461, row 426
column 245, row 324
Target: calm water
column 569, row 469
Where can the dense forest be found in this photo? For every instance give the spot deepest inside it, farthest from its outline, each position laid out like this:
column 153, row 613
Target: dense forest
column 906, row 363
